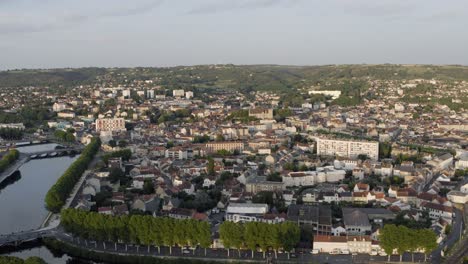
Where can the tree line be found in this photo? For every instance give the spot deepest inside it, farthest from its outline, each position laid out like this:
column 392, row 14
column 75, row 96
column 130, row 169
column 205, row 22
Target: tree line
column 17, row 260
column 404, row 239
column 257, row 234
column 64, row 136
column 10, row 133
column 8, row 159
column 59, row 192
column 138, row 229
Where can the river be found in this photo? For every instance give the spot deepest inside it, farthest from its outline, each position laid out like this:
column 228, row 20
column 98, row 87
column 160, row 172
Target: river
column 22, row 199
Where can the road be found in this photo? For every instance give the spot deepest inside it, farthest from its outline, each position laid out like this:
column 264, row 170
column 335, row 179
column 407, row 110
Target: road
column 221, row 254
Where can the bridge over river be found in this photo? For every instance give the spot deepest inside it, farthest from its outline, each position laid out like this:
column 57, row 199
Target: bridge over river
column 14, row 239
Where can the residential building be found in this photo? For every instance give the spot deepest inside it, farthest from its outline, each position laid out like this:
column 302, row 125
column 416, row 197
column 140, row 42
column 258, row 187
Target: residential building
column 110, row 124
column 261, row 113
column 347, row 148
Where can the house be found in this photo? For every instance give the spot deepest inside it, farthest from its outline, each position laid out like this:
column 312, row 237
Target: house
column 338, row 230
column 170, row 203
column 457, row 197
column 105, row 210
column 356, row 222
column 359, row 244
column 327, row 243
column 181, row 213
column 121, row 209
column 361, row 187
column 437, row 211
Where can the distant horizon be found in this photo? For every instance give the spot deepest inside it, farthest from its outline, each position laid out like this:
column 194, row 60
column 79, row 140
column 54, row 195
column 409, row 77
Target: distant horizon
column 255, row 64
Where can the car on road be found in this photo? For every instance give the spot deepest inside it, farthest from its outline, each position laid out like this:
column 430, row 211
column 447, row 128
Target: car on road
column 293, row 255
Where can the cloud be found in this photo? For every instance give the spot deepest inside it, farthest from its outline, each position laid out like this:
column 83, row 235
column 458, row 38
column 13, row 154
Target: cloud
column 11, row 23
column 219, row 6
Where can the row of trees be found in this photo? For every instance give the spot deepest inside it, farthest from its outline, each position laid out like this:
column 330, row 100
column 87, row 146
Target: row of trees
column 263, row 235
column 16, row 260
column 8, row 159
column 59, row 192
column 10, row 133
column 404, row 239
column 138, row 229
column 64, row 136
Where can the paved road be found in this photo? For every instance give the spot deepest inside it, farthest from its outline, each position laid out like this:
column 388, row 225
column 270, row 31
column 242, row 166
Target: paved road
column 220, row 254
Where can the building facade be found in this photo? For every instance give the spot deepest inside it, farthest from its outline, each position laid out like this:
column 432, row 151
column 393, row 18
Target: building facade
column 345, row 148
column 110, row 124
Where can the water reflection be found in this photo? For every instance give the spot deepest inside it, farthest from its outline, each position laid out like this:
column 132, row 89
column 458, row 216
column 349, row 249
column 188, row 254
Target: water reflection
column 16, row 176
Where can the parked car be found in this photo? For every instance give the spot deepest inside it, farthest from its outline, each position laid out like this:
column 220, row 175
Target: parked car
column 382, row 253
column 315, row 251
column 344, row 252
column 186, row 251
column 335, row 251
column 373, row 253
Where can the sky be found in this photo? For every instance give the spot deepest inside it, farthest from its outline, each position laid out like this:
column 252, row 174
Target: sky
column 128, row 33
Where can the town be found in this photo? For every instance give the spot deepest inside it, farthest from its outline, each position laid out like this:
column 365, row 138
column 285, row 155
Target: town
column 375, row 169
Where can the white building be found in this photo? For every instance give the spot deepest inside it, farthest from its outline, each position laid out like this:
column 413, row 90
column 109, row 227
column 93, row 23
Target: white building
column 150, row 94
column 57, row 107
column 307, row 178
column 178, row 93
column 462, row 162
column 457, row 197
column 126, row 93
column 189, row 95
column 110, row 124
column 347, row 148
column 334, row 94
column 245, row 212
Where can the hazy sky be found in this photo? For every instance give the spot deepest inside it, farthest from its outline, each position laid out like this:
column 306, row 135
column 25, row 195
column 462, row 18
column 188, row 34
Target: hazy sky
column 76, row 33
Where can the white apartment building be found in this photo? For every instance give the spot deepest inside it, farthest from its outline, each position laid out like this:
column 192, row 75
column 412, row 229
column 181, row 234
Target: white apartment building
column 225, row 145
column 189, row 95
column 178, row 93
column 110, row 124
column 177, row 153
column 13, row 125
column 307, row 178
column 347, row 148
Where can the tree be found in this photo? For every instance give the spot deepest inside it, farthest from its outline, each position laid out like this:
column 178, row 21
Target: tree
column 112, row 143
column 148, row 187
column 428, row 241
column 290, row 235
column 123, row 143
column 116, row 174
column 210, row 168
column 251, row 236
column 59, row 192
column 388, row 239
